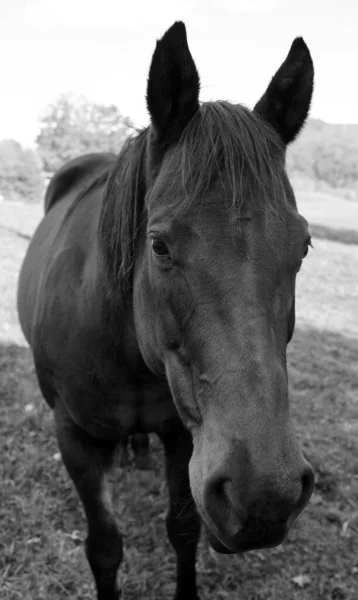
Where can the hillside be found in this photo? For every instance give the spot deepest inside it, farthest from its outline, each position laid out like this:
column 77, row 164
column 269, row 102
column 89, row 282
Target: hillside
column 325, row 158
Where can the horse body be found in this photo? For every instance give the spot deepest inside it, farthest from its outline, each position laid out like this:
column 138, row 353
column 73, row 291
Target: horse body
column 99, row 375
column 158, row 295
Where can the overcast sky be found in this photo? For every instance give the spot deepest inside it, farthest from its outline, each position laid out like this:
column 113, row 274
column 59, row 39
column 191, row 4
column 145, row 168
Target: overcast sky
column 102, row 49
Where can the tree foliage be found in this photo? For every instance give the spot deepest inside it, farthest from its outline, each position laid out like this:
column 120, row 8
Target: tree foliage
column 326, row 157
column 71, row 127
column 20, row 173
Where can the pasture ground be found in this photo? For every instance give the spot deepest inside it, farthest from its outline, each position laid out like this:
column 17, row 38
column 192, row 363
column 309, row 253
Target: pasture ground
column 41, row 521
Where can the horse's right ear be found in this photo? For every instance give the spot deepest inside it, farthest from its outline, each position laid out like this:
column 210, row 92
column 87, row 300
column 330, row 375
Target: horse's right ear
column 173, row 85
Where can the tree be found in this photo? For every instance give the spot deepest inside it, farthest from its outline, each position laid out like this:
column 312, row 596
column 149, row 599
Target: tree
column 71, row 127
column 20, row 173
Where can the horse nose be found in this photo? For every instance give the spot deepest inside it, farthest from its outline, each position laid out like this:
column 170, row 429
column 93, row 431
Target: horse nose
column 255, row 513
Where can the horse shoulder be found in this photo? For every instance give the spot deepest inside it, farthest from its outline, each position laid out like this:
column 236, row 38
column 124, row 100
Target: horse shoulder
column 76, row 172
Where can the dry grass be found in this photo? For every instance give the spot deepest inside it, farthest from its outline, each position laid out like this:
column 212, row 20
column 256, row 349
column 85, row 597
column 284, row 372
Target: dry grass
column 42, row 523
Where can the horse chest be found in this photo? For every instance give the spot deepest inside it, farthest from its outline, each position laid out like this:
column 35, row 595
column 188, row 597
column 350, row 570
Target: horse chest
column 155, row 408
column 120, row 404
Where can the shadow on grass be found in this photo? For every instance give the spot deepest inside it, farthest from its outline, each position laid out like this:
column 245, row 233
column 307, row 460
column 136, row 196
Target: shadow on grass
column 344, row 236
column 24, row 236
column 43, row 524
column 323, row 376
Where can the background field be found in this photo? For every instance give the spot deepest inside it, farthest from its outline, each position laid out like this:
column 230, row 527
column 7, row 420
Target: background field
column 41, row 521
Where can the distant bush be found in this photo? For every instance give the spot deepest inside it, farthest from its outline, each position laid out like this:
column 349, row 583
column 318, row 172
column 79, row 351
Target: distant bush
column 20, row 173
column 74, row 126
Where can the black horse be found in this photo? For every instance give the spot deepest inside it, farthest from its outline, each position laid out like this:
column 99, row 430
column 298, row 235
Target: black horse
column 158, row 295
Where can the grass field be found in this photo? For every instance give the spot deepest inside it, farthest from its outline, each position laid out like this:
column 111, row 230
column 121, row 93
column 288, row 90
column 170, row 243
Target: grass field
column 42, row 524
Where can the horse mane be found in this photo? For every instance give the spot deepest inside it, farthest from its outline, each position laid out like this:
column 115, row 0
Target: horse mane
column 233, row 140
column 121, row 214
column 220, row 138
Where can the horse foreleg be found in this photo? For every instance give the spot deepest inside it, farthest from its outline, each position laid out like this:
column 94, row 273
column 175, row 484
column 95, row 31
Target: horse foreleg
column 141, row 449
column 88, row 463
column 122, row 454
column 183, row 523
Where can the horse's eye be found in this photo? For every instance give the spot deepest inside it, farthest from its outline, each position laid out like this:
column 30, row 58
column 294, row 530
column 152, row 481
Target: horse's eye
column 308, row 244
column 159, row 248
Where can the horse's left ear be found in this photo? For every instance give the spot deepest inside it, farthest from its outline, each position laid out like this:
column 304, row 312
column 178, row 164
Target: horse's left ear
column 286, row 102
column 173, row 85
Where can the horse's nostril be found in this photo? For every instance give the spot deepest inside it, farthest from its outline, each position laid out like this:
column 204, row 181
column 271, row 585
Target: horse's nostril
column 221, row 490
column 218, row 490
column 216, row 498
column 307, row 481
column 221, row 501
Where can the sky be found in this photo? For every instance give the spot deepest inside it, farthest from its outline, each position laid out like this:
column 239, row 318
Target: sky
column 102, row 49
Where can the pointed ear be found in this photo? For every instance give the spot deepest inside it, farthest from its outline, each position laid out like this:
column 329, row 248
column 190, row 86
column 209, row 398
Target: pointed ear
column 286, row 102
column 173, row 85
